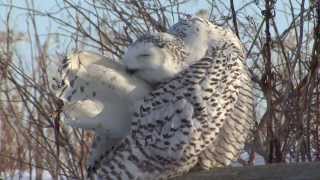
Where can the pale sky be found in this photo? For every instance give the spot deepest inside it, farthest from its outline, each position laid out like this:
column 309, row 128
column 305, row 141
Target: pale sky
column 20, row 20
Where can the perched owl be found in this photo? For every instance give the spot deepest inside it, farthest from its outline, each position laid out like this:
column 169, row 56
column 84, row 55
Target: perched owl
column 97, row 94
column 174, row 126
column 201, row 38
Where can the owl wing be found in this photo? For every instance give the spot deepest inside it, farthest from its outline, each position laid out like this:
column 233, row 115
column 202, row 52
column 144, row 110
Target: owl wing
column 199, row 100
column 180, row 119
column 103, row 142
column 235, row 131
column 83, row 108
column 97, row 94
column 78, row 76
column 82, row 95
column 167, row 129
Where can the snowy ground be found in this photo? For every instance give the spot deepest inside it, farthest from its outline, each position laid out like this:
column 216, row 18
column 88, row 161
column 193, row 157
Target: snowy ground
column 245, row 156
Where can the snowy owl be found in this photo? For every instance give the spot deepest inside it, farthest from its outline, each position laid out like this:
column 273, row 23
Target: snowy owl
column 202, row 38
column 167, row 54
column 173, row 126
column 97, row 93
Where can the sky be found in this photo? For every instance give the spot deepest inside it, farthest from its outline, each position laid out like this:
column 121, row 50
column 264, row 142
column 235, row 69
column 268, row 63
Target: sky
column 20, row 20
column 45, row 25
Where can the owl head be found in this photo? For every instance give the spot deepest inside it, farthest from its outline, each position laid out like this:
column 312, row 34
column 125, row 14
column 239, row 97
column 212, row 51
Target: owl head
column 202, row 36
column 194, row 32
column 155, row 57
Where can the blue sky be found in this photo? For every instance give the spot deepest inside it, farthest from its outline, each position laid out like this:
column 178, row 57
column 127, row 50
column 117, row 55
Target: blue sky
column 20, row 19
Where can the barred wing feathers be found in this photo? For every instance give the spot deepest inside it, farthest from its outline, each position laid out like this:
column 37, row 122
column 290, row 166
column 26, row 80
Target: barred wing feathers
column 194, row 105
column 236, row 129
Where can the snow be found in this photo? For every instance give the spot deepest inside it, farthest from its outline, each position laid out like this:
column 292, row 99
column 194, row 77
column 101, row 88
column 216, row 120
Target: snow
column 26, row 176
column 259, row 160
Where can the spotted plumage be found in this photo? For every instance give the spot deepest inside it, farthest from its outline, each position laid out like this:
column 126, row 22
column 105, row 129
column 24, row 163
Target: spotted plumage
column 97, row 94
column 177, row 123
column 199, row 112
column 201, row 36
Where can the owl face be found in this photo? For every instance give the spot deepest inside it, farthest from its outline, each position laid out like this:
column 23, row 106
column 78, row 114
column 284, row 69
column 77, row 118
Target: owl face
column 154, row 57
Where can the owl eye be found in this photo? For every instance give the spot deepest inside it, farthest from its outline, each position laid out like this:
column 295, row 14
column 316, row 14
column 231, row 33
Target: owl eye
column 144, row 55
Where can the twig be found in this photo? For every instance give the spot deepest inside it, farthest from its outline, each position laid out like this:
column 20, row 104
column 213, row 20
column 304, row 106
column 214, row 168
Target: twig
column 234, row 18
